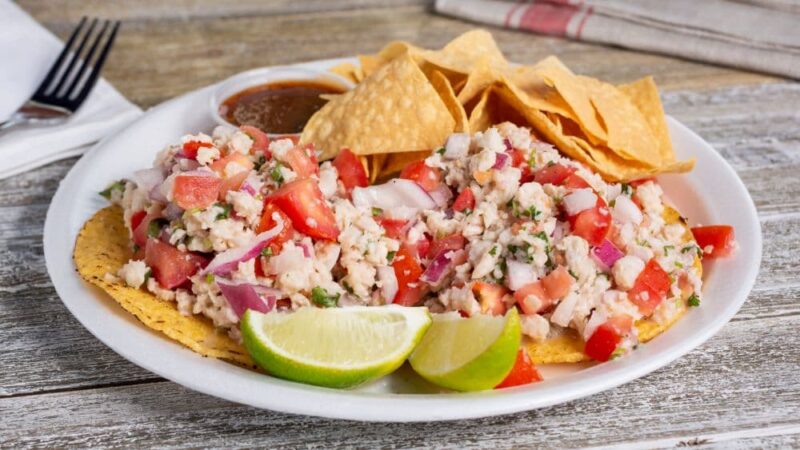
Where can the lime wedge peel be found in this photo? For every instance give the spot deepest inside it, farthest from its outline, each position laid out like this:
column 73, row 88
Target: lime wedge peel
column 471, row 354
column 335, row 347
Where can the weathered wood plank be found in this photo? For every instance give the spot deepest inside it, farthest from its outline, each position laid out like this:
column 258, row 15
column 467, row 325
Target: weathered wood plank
column 154, row 60
column 717, row 389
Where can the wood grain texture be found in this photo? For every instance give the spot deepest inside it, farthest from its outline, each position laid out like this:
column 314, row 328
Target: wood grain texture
column 59, row 386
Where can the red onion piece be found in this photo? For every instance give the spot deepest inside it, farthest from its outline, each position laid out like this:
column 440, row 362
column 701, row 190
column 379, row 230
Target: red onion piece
column 441, row 265
column 394, row 194
column 500, row 160
column 156, row 195
column 246, row 187
column 519, row 274
column 188, row 164
column 172, row 211
column 507, row 143
column 148, row 179
column 388, row 281
column 229, row 260
column 606, row 254
column 308, row 248
column 244, row 296
column 441, row 195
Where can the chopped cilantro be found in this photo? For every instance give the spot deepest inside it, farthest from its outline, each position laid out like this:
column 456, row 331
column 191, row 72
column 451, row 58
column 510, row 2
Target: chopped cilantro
column 667, row 248
column 108, row 192
column 440, row 150
column 693, row 300
column 347, row 287
column 467, row 211
column 678, row 264
column 551, row 163
column 154, row 227
column 267, row 251
column 209, row 278
column 135, row 248
column 148, row 274
column 543, row 236
column 572, row 274
column 512, row 248
column 390, row 255
column 226, row 211
column 532, row 159
column 376, row 211
column 276, row 174
column 321, row 297
column 626, row 188
column 687, row 249
column 493, row 251
column 617, row 353
column 532, row 212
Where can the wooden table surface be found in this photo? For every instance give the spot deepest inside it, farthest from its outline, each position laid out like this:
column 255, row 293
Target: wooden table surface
column 59, row 386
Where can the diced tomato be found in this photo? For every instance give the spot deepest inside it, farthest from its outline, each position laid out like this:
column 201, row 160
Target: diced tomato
column 268, row 222
column 451, row 242
column 196, row 191
column 259, row 269
column 621, row 322
column 574, row 181
column 558, row 283
column 260, row 139
column 517, row 157
column 221, row 166
column 189, row 149
column 305, row 205
column 592, row 224
column 465, row 200
column 136, row 218
column 171, row 267
column 491, row 297
column 350, row 169
column 422, row 247
column 232, row 183
column 407, row 270
column 300, row 162
column 602, row 342
column 536, row 289
column 650, row 287
column 719, row 239
column 641, row 181
column 553, row 174
column 395, row 228
column 140, row 231
column 428, row 177
column 523, row 372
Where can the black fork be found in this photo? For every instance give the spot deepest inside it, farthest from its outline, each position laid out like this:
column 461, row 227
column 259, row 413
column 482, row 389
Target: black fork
column 71, row 78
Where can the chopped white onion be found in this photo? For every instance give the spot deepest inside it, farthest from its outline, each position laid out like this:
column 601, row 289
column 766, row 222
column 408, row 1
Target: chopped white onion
column 388, row 281
column 401, row 213
column 520, row 274
column 291, row 257
column 441, row 195
column 147, row 179
column 597, row 319
column 625, row 211
column 579, row 200
column 457, row 146
column 396, row 193
column 563, row 313
column 229, row 260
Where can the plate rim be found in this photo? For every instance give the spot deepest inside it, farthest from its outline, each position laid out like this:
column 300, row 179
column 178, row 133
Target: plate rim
column 296, row 398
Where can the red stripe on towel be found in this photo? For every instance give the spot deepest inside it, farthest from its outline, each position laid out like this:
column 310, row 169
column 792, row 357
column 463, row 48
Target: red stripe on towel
column 548, row 18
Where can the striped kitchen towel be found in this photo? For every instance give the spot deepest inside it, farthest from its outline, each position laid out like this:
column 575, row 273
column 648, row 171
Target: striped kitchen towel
column 760, row 35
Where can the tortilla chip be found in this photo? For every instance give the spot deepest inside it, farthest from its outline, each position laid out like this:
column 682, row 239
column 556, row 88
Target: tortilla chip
column 643, row 93
column 396, row 109
column 478, row 81
column 463, row 54
column 445, row 90
column 103, row 247
column 349, row 71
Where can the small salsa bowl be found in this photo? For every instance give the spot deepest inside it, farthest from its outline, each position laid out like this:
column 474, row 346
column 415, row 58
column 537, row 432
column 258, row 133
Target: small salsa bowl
column 257, row 77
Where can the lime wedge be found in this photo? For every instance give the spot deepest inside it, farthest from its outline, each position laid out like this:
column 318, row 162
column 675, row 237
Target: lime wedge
column 334, row 347
column 468, row 354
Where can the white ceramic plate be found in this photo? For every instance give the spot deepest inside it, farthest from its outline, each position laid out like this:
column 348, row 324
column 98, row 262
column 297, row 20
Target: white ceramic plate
column 712, row 193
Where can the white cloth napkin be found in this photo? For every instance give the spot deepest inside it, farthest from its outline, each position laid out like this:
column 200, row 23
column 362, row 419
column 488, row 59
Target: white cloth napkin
column 26, row 52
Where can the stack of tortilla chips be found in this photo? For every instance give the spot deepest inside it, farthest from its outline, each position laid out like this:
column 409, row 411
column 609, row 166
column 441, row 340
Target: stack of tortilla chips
column 408, row 100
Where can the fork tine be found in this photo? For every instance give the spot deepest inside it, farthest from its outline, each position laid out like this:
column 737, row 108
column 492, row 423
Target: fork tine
column 48, row 79
column 98, row 66
column 75, row 58
column 86, row 61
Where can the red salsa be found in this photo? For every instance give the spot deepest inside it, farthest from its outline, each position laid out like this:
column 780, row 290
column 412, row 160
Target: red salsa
column 281, row 107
